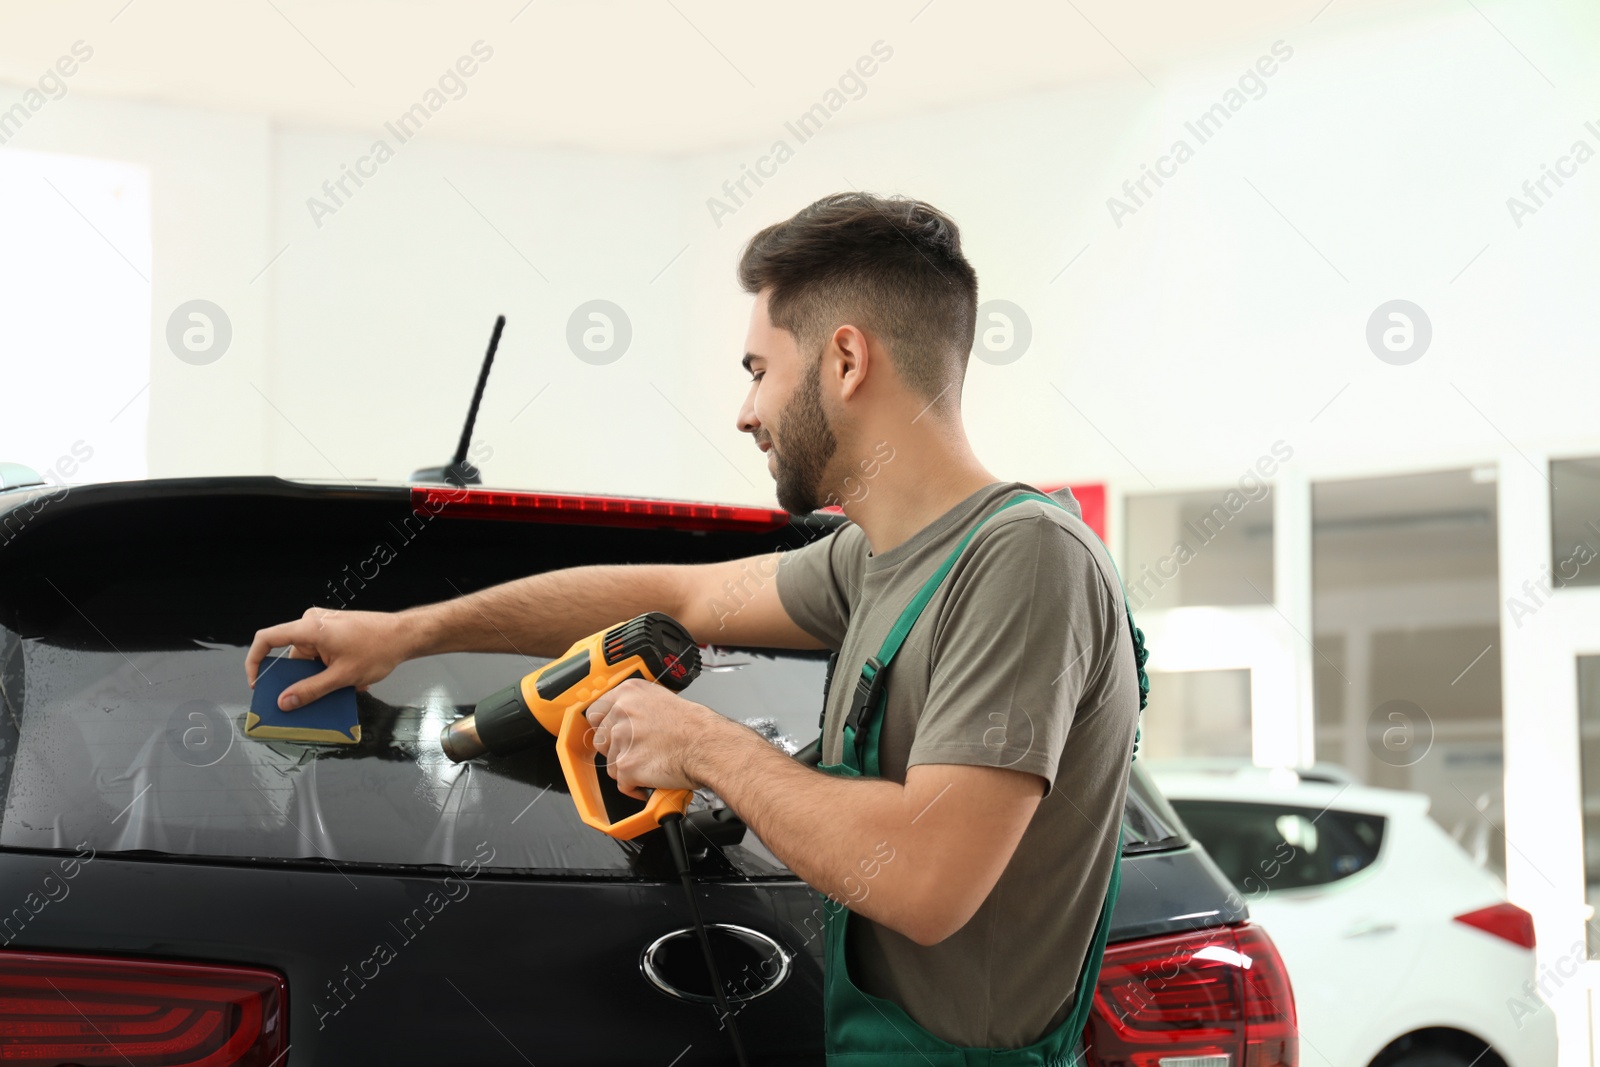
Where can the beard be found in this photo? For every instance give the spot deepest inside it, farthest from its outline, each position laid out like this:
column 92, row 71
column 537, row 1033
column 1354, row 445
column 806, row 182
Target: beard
column 808, row 446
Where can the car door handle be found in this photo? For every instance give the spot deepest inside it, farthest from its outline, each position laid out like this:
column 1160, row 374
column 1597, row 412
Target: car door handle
column 1370, row 928
column 752, row 963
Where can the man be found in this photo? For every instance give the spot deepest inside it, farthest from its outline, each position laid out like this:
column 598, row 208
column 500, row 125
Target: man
column 974, row 835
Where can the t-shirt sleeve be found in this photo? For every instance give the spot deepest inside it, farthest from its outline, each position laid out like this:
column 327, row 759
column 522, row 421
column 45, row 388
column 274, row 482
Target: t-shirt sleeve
column 817, row 583
column 1025, row 631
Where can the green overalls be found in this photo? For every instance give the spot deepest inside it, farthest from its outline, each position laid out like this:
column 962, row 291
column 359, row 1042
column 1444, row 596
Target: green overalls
column 862, row 1030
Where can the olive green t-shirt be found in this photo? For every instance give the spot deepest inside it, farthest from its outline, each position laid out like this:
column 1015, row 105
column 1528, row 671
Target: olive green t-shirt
column 1022, row 659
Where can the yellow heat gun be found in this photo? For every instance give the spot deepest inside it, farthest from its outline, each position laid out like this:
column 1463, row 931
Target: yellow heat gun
column 654, row 646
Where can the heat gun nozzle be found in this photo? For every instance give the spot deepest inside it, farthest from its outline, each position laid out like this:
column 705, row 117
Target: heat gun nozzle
column 499, row 725
column 460, row 740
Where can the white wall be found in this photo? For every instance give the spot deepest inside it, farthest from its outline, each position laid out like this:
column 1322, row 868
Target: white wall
column 1204, row 327
column 383, row 312
column 1188, row 338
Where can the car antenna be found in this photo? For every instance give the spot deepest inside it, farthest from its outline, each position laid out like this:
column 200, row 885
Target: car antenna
column 460, row 472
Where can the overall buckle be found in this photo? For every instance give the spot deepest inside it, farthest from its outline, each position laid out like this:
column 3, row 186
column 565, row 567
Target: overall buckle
column 869, row 688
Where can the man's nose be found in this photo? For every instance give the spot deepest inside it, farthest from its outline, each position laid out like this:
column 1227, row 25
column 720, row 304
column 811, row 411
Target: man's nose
column 747, row 421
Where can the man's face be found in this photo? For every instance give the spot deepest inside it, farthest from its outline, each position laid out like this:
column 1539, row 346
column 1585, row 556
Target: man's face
column 783, row 411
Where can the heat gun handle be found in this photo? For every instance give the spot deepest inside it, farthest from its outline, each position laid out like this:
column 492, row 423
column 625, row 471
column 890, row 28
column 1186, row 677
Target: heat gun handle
column 575, row 748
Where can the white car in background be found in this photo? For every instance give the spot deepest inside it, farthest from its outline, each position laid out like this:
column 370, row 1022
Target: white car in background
column 1401, row 951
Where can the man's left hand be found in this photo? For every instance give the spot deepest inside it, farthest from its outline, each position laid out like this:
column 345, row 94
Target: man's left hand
column 645, row 732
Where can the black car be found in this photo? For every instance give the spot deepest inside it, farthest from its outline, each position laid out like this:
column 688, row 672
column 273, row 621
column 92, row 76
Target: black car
column 173, row 892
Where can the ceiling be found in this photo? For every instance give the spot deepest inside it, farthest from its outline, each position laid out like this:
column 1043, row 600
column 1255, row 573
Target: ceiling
column 638, row 76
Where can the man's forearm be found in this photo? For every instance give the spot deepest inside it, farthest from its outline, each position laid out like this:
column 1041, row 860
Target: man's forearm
column 543, row 614
column 851, row 839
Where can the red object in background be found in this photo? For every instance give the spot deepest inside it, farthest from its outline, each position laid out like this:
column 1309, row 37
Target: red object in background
column 1091, row 496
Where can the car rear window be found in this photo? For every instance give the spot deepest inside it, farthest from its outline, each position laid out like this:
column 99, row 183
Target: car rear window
column 147, row 752
column 1267, row 847
column 124, row 619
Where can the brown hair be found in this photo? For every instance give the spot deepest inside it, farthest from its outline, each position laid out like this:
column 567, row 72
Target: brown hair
column 890, row 265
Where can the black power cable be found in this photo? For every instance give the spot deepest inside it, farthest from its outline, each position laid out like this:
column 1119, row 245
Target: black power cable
column 672, row 823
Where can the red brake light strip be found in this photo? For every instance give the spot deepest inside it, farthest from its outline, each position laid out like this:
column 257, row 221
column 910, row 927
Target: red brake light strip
column 595, row 510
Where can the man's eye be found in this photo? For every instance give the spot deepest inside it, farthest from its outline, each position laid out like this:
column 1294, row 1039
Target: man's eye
column 757, row 376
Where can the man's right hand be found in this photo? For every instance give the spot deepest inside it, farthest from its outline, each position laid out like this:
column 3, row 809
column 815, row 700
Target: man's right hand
column 357, row 647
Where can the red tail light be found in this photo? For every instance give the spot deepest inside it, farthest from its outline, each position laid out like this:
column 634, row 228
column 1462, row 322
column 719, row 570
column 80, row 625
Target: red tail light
column 1220, row 998
column 594, row 510
column 1502, row 920
column 94, row 1010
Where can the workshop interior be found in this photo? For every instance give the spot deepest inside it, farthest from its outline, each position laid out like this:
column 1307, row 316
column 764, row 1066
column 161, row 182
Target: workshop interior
column 360, row 305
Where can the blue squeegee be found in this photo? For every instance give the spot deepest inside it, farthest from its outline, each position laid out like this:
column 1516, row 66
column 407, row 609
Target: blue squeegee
column 329, row 720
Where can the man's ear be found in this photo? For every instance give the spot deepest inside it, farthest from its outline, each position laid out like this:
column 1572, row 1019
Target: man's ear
column 854, row 362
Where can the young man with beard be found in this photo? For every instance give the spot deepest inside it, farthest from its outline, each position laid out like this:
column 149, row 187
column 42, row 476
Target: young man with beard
column 963, row 824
